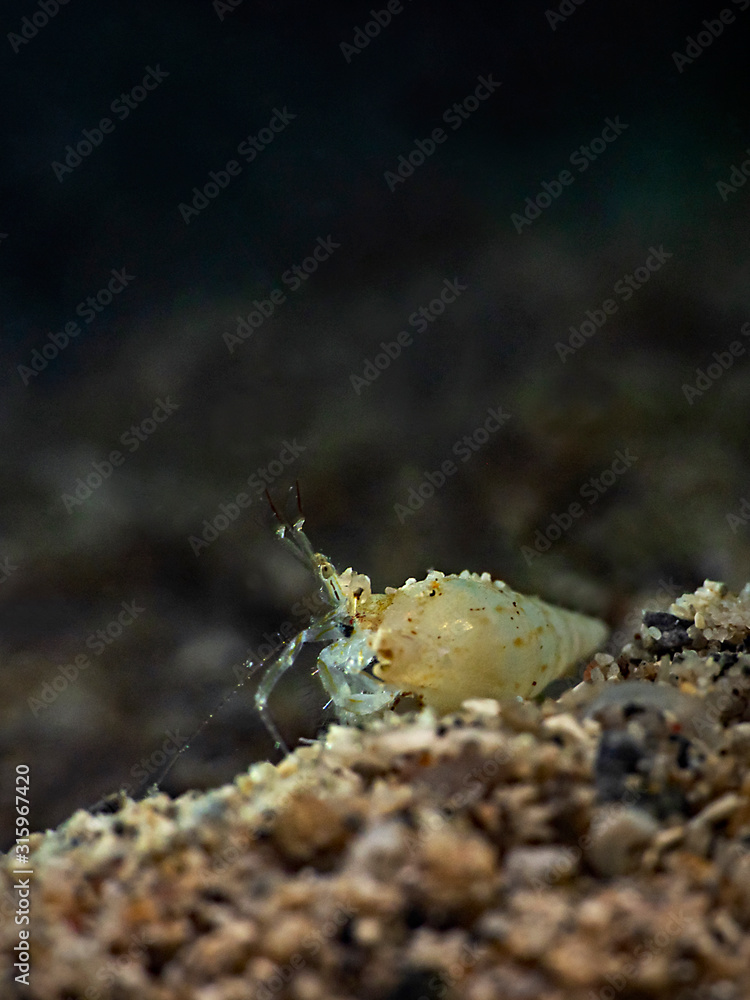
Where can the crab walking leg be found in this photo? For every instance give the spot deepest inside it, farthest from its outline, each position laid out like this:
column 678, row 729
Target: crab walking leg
column 285, row 660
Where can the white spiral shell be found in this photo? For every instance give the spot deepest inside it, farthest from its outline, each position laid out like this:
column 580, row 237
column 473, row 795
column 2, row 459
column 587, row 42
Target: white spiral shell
column 449, row 638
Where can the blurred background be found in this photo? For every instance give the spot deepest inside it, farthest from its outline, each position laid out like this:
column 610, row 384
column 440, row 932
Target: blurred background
column 475, row 275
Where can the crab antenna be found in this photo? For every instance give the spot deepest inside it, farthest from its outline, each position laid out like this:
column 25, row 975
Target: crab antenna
column 284, row 521
column 293, row 534
column 272, row 505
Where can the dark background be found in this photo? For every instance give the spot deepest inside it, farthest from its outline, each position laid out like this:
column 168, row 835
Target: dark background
column 661, row 525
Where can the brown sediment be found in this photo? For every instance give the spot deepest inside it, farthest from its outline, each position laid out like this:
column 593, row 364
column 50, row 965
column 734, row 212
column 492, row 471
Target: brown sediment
column 597, row 843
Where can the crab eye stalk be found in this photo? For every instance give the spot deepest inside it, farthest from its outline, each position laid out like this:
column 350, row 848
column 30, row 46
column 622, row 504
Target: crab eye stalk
column 329, row 577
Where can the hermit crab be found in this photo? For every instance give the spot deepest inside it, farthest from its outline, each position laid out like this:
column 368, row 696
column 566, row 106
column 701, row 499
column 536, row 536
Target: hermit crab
column 439, row 640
